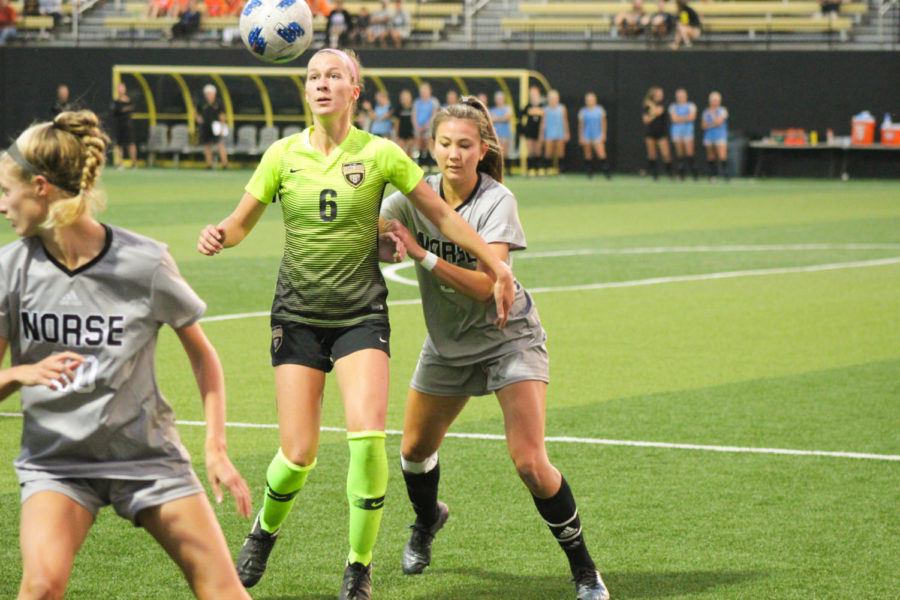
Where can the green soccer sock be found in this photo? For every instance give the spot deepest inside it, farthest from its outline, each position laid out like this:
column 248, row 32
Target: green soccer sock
column 283, row 481
column 366, row 486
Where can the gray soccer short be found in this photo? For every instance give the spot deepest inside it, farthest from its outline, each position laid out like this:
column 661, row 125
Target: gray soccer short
column 127, row 496
column 435, row 377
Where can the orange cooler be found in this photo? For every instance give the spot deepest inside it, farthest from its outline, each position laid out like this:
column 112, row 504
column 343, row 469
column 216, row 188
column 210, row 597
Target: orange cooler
column 890, row 134
column 863, row 127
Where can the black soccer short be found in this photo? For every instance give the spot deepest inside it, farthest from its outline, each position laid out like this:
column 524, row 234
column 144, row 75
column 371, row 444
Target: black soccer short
column 319, row 347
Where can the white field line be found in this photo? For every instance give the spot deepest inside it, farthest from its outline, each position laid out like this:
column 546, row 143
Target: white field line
column 592, row 441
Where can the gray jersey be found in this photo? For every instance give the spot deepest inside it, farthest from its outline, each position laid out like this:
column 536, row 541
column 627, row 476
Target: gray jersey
column 461, row 330
column 111, row 421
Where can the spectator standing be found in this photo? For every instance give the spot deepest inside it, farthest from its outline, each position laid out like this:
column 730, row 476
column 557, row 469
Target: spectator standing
column 501, row 116
column 404, row 131
column 8, row 21
column 122, row 109
column 451, row 98
column 400, row 25
column 682, row 115
column 592, row 128
column 715, row 136
column 631, row 22
column 654, row 118
column 555, row 130
column 687, row 25
column 211, row 119
column 424, row 109
column 339, row 25
column 62, row 103
column 532, row 116
column 381, row 115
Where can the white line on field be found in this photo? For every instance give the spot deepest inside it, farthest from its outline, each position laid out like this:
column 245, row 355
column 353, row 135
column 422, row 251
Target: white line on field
column 593, row 441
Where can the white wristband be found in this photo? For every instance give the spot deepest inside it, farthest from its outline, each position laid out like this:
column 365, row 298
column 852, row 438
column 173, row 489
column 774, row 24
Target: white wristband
column 428, row 261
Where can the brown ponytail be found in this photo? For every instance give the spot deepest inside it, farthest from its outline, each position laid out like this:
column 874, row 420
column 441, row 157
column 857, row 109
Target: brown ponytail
column 472, row 109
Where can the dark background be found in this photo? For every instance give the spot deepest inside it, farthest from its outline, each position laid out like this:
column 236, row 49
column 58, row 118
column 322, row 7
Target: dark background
column 815, row 90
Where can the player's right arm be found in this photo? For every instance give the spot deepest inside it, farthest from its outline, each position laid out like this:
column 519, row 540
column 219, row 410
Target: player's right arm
column 56, row 369
column 235, row 227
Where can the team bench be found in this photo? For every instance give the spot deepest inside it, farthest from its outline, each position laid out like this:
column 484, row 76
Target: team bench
column 755, row 25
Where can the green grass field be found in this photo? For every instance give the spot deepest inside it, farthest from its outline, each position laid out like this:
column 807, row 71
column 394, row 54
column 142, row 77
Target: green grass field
column 755, row 314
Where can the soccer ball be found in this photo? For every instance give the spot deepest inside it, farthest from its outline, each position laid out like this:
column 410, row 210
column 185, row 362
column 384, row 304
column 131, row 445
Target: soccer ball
column 276, row 31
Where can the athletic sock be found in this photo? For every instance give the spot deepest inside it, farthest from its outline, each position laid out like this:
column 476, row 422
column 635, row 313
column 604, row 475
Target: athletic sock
column 712, row 168
column 589, row 167
column 422, row 481
column 561, row 516
column 723, row 169
column 366, row 485
column 604, row 166
column 283, row 481
column 692, row 164
column 653, row 168
column 682, row 168
column 669, row 171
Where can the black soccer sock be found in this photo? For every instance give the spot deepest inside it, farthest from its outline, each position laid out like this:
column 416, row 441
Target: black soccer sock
column 589, row 167
column 422, row 489
column 669, row 171
column 723, row 169
column 653, row 168
column 682, row 168
column 692, row 164
column 604, row 166
column 712, row 168
column 561, row 516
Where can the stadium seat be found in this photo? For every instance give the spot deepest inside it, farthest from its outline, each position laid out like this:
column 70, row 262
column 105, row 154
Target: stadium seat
column 246, row 141
column 290, row 130
column 156, row 142
column 267, row 137
column 179, row 142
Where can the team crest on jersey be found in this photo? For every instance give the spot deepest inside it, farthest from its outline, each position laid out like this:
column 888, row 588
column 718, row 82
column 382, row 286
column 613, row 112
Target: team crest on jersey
column 277, row 337
column 354, row 173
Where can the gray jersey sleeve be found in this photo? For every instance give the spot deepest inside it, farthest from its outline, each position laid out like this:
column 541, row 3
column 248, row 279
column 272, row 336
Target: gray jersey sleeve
column 499, row 221
column 4, row 306
column 396, row 206
column 173, row 301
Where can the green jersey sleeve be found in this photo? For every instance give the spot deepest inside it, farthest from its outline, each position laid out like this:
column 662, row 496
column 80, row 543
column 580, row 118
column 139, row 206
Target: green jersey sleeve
column 266, row 180
column 399, row 169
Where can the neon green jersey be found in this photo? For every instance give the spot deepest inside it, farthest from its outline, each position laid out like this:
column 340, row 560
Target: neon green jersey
column 329, row 275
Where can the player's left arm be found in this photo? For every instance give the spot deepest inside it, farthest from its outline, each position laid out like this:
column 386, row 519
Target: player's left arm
column 565, row 112
column 603, row 125
column 211, row 382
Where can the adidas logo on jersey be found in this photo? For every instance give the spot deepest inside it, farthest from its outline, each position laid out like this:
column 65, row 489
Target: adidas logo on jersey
column 70, row 299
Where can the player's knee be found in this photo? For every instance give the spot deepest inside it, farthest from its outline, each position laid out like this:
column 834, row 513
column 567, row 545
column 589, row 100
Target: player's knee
column 299, row 456
column 42, row 586
column 416, row 449
column 531, row 470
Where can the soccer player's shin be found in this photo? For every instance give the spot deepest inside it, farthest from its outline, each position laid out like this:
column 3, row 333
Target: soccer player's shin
column 422, row 480
column 366, row 486
column 284, row 480
column 561, row 515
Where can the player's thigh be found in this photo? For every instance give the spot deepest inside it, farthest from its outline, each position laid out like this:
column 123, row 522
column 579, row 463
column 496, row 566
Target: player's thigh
column 587, row 150
column 600, row 149
column 188, row 531
column 426, row 421
column 524, row 404
column 722, row 150
column 363, row 380
column 53, row 526
column 689, row 146
column 664, row 147
column 651, row 147
column 298, row 392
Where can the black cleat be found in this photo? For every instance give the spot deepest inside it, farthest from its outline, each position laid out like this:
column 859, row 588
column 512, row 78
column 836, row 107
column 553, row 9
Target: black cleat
column 357, row 582
column 417, row 554
column 251, row 562
column 589, row 586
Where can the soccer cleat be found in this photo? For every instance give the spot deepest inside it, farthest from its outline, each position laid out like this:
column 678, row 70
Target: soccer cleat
column 357, row 583
column 251, row 562
column 417, row 554
column 589, row 586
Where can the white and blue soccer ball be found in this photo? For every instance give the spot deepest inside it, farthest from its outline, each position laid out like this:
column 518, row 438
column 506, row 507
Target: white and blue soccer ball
column 276, row 31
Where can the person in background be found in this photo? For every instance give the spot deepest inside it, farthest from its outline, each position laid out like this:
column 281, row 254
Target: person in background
column 451, row 98
column 531, row 125
column 655, row 135
column 319, row 7
column 361, row 24
column 188, row 21
column 555, row 130
column 830, row 8
column 400, row 26
column 381, row 116
column 404, row 132
column 339, row 25
column 213, row 127
column 62, row 103
column 631, row 23
column 8, row 21
column 592, row 128
column 424, row 109
column 378, row 32
column 52, row 8
column 687, row 25
column 501, row 117
column 158, row 8
column 661, row 23
column 31, row 8
column 715, row 136
column 122, row 109
column 682, row 115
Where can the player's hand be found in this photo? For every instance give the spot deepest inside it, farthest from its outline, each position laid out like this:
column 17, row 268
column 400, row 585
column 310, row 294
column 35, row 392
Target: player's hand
column 415, row 251
column 390, row 248
column 219, row 472
column 212, row 240
column 504, row 294
column 56, row 371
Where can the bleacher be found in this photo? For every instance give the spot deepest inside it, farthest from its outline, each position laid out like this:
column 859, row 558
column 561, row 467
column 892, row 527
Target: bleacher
column 588, row 19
